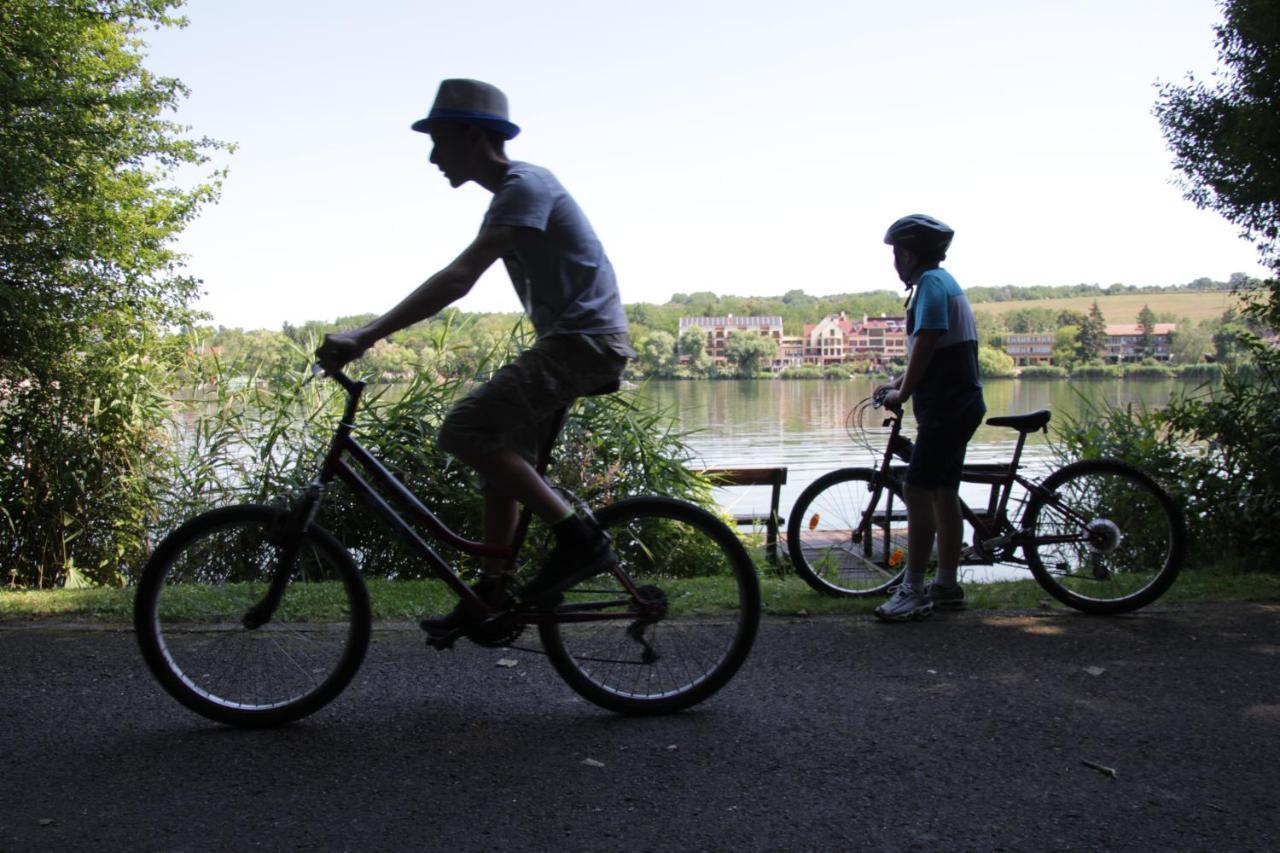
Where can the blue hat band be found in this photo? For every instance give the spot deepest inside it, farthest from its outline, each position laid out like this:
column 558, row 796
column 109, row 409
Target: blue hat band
column 500, row 125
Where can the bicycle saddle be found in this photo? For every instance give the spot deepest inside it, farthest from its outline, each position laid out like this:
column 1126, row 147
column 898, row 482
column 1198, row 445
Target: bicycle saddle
column 1029, row 422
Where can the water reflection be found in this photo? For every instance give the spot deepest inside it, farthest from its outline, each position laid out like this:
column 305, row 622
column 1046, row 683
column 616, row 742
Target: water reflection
column 801, row 424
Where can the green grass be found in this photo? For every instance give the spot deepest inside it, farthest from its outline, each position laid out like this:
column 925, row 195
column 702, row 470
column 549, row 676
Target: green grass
column 783, row 595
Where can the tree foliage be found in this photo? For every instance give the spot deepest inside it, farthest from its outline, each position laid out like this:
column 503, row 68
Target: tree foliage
column 88, row 278
column 748, row 353
column 1092, row 340
column 1225, row 140
column 1147, row 322
column 1225, row 136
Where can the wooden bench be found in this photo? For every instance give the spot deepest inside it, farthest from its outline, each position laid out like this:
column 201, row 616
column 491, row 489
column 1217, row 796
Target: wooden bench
column 774, row 477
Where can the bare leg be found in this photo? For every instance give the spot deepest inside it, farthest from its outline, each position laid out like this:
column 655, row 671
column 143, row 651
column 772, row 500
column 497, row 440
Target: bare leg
column 501, row 514
column 920, row 532
column 950, row 524
column 508, row 474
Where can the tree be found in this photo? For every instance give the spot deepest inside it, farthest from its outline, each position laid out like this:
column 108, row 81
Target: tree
column 693, row 346
column 1147, row 321
column 1066, row 345
column 1224, row 137
column 88, row 279
column 1190, row 344
column 1224, row 140
column 1093, row 336
column 657, row 355
column 749, row 353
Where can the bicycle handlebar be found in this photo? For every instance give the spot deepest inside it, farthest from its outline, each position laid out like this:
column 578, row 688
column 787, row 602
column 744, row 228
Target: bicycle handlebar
column 335, row 373
column 877, row 401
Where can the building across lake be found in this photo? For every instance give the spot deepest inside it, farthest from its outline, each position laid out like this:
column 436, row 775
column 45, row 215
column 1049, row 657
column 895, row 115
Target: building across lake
column 874, row 341
column 1124, row 342
column 835, row 339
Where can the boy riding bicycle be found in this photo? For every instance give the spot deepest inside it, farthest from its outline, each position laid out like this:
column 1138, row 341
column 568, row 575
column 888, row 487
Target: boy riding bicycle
column 567, row 287
column 942, row 377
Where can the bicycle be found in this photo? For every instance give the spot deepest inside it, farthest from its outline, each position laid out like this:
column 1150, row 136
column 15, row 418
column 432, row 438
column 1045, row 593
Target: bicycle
column 1098, row 535
column 218, row 605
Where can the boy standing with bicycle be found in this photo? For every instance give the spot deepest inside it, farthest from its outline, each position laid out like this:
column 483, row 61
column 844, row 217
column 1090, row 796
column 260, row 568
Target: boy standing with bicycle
column 567, row 287
column 942, row 378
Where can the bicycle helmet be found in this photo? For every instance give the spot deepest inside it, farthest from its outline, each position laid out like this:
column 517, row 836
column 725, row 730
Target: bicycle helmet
column 921, row 234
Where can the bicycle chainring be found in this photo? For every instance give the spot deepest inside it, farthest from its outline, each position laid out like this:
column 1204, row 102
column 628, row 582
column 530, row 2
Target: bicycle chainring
column 497, row 632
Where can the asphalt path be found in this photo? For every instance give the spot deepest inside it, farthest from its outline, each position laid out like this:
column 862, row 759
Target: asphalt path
column 976, row 731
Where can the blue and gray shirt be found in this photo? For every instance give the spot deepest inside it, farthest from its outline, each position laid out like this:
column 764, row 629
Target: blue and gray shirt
column 951, row 383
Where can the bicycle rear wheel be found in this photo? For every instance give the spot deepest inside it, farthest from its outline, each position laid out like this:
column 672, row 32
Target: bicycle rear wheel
column 847, row 533
column 1105, row 538
column 190, row 607
column 671, row 624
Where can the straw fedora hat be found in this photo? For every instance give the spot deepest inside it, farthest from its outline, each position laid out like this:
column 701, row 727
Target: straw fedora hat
column 469, row 102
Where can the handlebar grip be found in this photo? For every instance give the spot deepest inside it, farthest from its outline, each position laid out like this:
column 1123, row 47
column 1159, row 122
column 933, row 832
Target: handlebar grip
column 336, row 374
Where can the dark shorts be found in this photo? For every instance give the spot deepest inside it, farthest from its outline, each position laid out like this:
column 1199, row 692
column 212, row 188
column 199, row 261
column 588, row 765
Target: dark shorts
column 515, row 407
column 938, row 454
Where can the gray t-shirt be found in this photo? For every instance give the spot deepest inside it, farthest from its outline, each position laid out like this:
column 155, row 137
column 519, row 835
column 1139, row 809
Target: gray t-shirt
column 558, row 267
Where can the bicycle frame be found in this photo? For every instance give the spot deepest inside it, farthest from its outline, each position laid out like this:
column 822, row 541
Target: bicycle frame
column 994, row 534
column 335, row 466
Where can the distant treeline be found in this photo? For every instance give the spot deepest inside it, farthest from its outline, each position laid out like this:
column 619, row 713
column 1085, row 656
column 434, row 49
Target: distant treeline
column 420, row 347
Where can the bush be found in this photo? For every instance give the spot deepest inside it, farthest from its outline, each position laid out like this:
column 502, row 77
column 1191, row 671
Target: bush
column 1197, row 371
column 804, row 371
column 993, row 363
column 1097, row 371
column 1042, row 371
column 1213, row 449
column 1148, row 369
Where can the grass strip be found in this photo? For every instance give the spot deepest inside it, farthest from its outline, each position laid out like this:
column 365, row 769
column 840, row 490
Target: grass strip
column 782, row 595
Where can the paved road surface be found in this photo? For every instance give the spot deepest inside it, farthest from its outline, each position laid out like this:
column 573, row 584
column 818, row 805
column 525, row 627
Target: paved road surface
column 967, row 732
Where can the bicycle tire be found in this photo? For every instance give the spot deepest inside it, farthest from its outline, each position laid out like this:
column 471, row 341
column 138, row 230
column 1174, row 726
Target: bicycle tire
column 192, row 597
column 1125, row 536
column 693, row 569
column 833, row 541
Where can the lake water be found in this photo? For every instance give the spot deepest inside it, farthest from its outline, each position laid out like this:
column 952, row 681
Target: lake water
column 801, row 424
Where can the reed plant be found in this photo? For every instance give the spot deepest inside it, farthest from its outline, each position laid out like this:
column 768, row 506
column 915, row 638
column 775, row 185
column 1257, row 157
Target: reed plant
column 259, row 437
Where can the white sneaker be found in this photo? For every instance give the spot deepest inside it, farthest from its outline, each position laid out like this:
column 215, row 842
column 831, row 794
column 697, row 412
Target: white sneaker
column 905, row 605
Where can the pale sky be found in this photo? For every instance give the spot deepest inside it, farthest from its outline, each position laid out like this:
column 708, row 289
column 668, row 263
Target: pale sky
column 743, row 147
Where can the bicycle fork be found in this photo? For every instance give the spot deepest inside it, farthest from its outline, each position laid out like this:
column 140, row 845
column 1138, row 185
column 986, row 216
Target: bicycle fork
column 287, row 540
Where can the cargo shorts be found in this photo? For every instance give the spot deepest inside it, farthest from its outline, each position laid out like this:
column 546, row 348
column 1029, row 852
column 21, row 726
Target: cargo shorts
column 937, row 456
column 514, row 409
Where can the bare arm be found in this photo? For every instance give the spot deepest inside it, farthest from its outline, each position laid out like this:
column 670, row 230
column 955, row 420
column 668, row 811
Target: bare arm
column 432, row 296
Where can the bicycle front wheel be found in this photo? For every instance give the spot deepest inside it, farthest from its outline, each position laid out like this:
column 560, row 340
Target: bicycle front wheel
column 847, row 533
column 1104, row 537
column 190, row 610
column 672, row 622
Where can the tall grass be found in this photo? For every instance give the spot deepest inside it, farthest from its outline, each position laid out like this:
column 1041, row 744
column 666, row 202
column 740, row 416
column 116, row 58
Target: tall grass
column 260, row 438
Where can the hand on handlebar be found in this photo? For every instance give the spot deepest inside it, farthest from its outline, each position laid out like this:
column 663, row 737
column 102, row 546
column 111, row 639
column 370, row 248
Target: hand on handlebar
column 339, row 348
column 887, row 396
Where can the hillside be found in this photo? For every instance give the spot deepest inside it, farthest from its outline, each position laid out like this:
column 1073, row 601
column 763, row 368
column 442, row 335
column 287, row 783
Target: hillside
column 1124, row 307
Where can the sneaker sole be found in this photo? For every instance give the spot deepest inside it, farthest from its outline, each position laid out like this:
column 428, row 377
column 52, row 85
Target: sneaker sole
column 914, row 616
column 949, row 606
